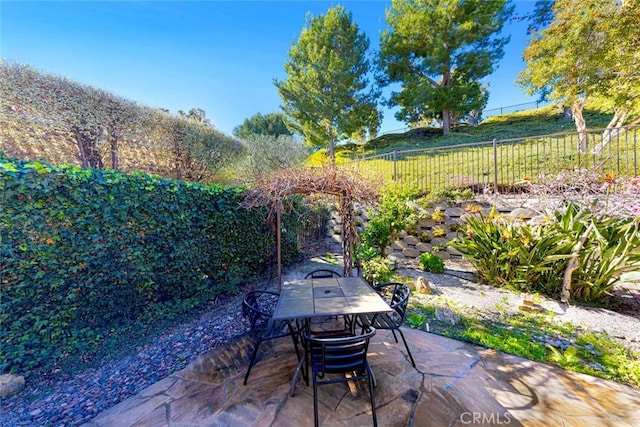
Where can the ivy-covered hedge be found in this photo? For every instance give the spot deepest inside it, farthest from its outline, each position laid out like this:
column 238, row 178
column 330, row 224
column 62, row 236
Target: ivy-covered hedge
column 85, row 252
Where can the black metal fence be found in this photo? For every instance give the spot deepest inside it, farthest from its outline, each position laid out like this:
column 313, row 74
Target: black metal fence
column 506, row 164
column 513, row 109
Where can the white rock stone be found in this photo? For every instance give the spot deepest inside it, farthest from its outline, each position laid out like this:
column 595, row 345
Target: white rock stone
column 10, row 384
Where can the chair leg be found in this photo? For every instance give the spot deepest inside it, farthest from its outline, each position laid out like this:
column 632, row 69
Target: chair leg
column 253, row 359
column 299, row 369
column 371, row 380
column 407, row 347
column 315, row 402
column 294, row 337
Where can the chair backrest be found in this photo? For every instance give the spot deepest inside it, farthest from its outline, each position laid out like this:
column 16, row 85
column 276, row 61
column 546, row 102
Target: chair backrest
column 338, row 355
column 322, row 274
column 258, row 306
column 397, row 296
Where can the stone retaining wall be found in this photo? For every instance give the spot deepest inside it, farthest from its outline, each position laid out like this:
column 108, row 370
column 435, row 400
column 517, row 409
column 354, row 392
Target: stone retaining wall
column 435, row 228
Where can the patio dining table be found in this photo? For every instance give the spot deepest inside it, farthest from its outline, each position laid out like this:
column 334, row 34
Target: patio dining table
column 325, row 297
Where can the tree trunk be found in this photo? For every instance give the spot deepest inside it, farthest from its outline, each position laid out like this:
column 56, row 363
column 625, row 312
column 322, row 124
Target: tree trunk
column 114, row 151
column 332, row 154
column 446, row 122
column 572, row 265
column 348, row 236
column 177, row 152
column 83, row 152
column 577, row 108
column 614, row 128
column 446, row 114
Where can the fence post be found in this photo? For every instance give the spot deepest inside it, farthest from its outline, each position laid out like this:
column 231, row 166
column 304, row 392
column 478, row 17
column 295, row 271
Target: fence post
column 495, row 166
column 395, row 165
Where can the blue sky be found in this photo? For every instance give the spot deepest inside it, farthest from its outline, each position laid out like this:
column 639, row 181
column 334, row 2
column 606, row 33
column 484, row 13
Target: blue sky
column 221, row 56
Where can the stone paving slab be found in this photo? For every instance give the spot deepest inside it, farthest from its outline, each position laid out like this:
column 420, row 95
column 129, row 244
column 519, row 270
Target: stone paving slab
column 453, row 384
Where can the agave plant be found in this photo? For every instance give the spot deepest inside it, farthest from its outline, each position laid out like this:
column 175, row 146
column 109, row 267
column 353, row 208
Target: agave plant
column 529, row 257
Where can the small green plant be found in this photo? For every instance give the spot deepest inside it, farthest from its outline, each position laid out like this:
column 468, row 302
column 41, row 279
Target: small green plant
column 431, row 263
column 366, row 253
column 425, row 237
column 438, row 215
column 567, row 357
column 411, row 229
column 416, row 320
column 438, row 232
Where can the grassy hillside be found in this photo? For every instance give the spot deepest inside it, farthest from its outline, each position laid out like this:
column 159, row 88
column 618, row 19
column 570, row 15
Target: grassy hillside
column 531, row 147
column 542, row 121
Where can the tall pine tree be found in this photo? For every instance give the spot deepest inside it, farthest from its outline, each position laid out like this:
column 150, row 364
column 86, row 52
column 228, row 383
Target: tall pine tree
column 327, row 95
column 439, row 50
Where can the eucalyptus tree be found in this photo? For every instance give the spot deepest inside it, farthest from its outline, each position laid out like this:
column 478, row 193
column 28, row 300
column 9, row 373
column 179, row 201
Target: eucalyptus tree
column 327, row 94
column 439, row 50
column 269, row 124
column 620, row 90
column 587, row 53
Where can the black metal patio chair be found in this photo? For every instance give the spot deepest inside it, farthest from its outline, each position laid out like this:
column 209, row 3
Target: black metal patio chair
column 334, row 360
column 322, row 273
column 397, row 296
column 258, row 306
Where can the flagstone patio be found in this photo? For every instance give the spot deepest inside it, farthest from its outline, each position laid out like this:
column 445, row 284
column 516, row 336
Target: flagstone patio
column 455, row 384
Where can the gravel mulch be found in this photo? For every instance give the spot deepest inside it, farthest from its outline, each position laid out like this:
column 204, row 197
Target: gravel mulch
column 70, row 400
column 458, row 287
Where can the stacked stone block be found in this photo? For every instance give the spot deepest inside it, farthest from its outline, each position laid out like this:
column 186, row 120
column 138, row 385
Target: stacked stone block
column 434, row 229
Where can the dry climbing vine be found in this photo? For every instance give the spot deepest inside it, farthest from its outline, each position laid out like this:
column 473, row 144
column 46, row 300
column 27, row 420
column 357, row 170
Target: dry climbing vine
column 347, row 185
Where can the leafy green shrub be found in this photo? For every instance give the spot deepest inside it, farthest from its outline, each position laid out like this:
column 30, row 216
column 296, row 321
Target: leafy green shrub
column 533, row 257
column 431, row 262
column 390, row 218
column 377, row 270
column 451, row 196
column 375, row 267
column 87, row 251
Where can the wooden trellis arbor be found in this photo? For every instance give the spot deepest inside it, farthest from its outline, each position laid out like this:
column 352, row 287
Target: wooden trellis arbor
column 347, row 186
